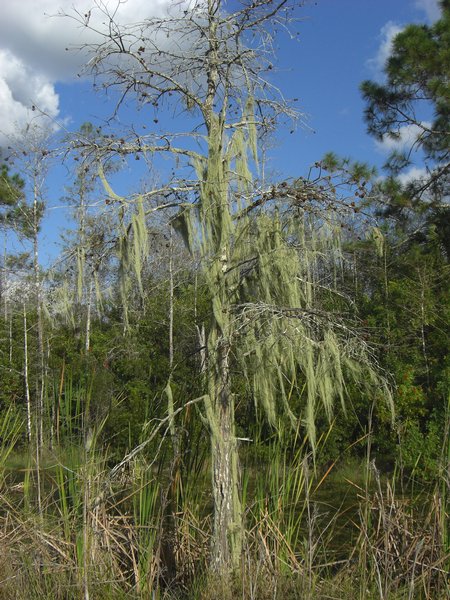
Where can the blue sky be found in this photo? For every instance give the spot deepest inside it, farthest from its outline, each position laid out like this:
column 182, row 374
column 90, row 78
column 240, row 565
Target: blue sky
column 341, row 43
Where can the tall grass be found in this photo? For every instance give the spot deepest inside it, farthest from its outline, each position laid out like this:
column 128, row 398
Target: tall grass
column 145, row 533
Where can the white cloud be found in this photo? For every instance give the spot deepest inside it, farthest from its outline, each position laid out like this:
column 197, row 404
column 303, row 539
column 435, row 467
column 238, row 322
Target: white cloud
column 413, row 174
column 390, row 29
column 387, row 34
column 430, row 7
column 33, row 56
column 35, row 33
column 20, row 88
column 407, row 135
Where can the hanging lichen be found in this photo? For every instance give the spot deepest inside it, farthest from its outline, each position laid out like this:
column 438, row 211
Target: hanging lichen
column 170, row 407
column 140, row 241
column 63, row 304
column 285, row 331
column 249, row 114
column 183, row 225
column 80, row 252
column 98, row 292
column 378, row 238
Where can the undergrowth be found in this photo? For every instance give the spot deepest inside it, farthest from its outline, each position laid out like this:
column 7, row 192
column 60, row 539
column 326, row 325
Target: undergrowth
column 82, row 529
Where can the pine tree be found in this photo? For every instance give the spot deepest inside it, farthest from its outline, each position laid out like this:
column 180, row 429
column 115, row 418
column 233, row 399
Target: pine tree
column 417, row 86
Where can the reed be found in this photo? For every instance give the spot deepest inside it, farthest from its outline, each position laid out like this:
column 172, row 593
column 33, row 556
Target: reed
column 146, row 532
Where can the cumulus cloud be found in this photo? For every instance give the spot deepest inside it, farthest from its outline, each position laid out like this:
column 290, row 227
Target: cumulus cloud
column 413, row 174
column 33, row 56
column 390, row 29
column 387, row 35
column 20, row 88
column 430, row 7
column 407, row 136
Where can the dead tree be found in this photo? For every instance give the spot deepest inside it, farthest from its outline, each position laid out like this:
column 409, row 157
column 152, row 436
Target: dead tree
column 212, row 66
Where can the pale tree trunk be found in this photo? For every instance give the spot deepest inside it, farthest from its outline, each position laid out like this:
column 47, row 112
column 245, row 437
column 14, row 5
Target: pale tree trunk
column 10, row 339
column 25, row 373
column 227, row 528
column 227, row 533
column 171, row 299
column 3, row 283
column 87, row 341
column 40, row 328
column 40, row 333
column 4, row 295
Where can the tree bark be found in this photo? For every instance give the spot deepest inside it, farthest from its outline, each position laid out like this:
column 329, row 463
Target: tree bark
column 25, row 374
column 227, row 532
column 40, row 326
column 87, row 340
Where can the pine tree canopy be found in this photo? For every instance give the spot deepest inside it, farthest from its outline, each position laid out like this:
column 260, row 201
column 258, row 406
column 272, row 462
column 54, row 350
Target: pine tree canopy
column 416, row 95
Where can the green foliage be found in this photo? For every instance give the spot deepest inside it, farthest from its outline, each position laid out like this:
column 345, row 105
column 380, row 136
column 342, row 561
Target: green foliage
column 417, row 82
column 405, row 302
column 11, row 198
column 356, row 171
column 11, row 187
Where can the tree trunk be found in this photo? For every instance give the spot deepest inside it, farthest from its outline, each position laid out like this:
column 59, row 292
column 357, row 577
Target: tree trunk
column 10, row 339
column 40, row 327
column 227, row 533
column 87, row 339
column 25, row 374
